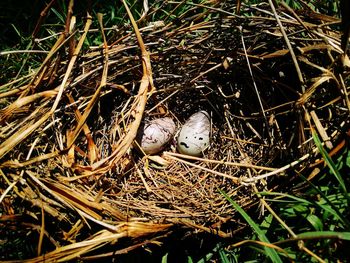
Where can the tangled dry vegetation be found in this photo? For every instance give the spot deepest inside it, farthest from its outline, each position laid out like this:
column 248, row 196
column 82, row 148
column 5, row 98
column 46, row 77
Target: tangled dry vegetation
column 71, row 174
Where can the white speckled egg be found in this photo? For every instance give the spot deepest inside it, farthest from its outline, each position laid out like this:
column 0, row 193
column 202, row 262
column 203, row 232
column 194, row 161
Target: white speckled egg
column 156, row 134
column 194, row 136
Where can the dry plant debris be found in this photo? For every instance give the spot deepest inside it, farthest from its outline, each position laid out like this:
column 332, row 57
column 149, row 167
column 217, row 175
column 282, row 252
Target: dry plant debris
column 71, row 172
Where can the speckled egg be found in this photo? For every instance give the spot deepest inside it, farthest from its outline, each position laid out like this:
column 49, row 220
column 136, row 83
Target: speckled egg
column 194, row 136
column 155, row 134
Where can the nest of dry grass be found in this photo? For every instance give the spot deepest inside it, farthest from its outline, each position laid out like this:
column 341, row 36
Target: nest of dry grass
column 70, row 170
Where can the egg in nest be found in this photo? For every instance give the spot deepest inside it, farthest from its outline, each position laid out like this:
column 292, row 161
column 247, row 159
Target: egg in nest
column 194, row 136
column 156, row 134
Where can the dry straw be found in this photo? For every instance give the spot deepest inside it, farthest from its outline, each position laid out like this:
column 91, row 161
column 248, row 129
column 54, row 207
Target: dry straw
column 68, row 160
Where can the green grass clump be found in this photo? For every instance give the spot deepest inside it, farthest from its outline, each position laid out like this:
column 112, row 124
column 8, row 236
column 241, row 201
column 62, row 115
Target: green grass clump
column 318, row 216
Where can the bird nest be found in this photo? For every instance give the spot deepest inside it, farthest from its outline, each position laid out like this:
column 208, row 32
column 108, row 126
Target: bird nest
column 71, row 171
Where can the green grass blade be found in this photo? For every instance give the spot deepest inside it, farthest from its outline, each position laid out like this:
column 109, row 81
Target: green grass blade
column 165, row 258
column 330, row 208
column 317, row 235
column 271, row 253
column 17, row 31
column 223, row 256
column 315, row 221
column 59, row 15
column 329, row 162
column 324, row 235
column 208, row 256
